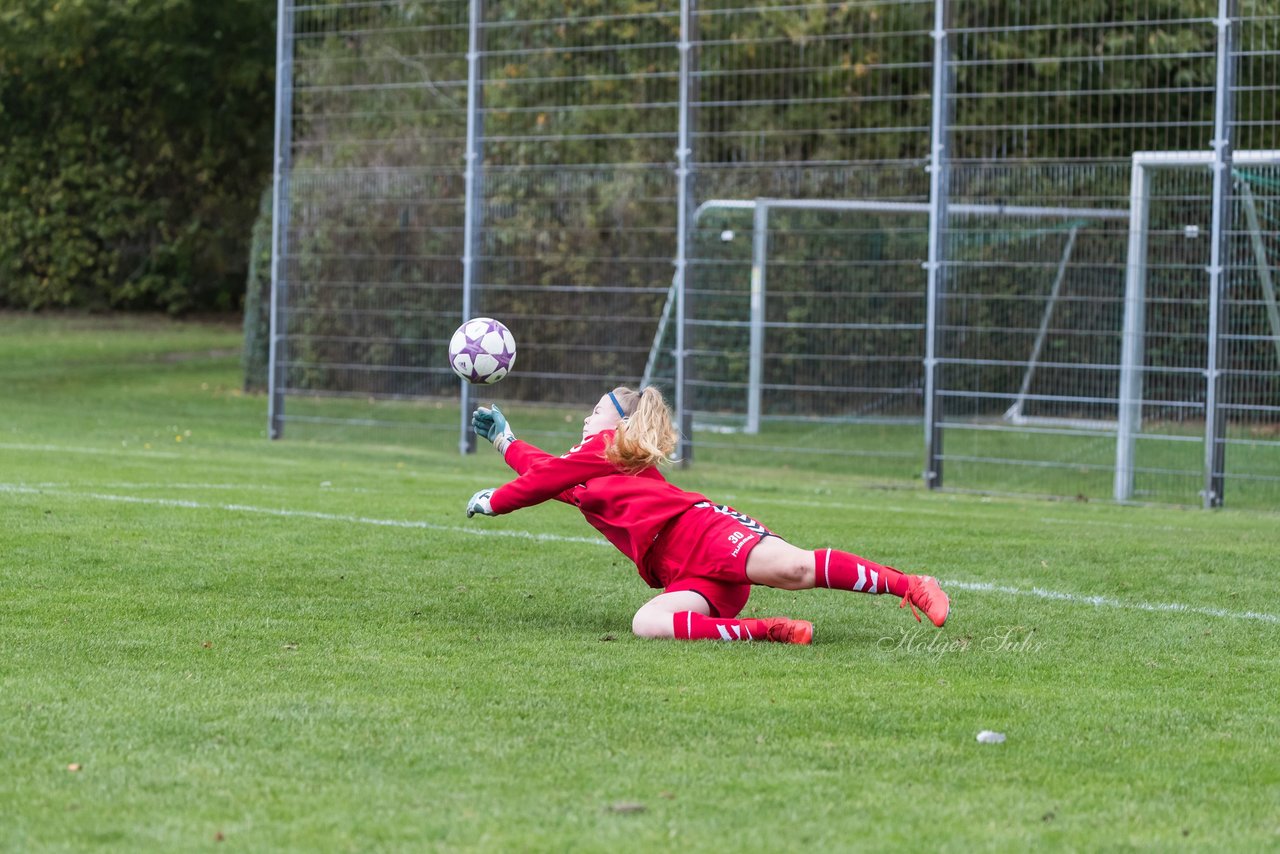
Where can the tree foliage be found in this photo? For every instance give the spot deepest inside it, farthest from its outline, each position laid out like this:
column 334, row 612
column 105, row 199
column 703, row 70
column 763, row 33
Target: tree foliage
column 136, row 139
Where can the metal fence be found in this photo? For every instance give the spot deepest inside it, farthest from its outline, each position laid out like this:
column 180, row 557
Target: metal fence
column 1024, row 247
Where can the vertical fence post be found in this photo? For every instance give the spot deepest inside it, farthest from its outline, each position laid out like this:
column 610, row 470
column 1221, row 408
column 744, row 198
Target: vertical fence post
column 759, row 285
column 938, row 181
column 277, row 373
column 1219, row 254
column 684, row 167
column 473, row 204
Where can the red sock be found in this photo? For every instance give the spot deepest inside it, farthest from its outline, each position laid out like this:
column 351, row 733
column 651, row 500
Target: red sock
column 690, row 625
column 843, row 571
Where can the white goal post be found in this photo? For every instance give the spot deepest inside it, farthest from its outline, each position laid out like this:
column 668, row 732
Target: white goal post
column 1127, row 427
column 1129, row 415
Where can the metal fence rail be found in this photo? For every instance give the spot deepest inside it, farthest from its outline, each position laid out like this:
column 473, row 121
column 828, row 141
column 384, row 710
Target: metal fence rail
column 1016, row 247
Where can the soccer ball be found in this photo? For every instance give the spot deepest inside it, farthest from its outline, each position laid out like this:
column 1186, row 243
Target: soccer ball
column 482, row 351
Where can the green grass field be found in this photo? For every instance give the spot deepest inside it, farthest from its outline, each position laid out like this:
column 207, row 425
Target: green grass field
column 213, row 642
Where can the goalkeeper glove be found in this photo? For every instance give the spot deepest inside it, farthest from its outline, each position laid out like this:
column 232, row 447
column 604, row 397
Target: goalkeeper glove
column 479, row 503
column 492, row 424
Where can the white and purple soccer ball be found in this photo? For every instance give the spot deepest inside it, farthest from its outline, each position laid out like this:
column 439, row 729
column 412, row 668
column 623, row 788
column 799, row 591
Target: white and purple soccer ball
column 482, row 351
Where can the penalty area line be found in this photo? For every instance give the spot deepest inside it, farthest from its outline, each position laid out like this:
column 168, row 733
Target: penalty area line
column 953, row 584
column 74, row 449
column 1108, row 602
column 16, row 489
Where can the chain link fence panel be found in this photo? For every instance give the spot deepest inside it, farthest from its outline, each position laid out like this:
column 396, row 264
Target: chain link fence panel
column 733, row 201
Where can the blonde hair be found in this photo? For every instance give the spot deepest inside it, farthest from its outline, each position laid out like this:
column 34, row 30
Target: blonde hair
column 646, row 436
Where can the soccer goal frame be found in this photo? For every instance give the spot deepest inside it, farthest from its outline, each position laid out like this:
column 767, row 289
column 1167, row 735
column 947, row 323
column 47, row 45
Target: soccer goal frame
column 761, row 209
column 1127, row 427
column 1129, row 410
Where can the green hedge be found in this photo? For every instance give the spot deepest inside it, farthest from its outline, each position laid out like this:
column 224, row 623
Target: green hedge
column 136, row 139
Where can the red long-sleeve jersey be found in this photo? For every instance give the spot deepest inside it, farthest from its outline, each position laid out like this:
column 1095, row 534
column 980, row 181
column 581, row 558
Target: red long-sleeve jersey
column 629, row 509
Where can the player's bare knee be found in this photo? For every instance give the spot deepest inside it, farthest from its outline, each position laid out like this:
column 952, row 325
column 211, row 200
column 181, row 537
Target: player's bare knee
column 647, row 624
column 794, row 575
column 805, row 578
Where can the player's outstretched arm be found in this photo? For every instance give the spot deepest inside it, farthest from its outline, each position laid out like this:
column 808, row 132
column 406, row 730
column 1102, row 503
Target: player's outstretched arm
column 492, row 425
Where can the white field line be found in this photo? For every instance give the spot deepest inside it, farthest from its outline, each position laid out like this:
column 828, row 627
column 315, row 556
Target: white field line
column 1107, row 602
column 174, row 455
column 18, row 489
column 215, row 487
column 954, row 584
column 1104, row 523
column 844, row 504
column 50, row 486
column 945, row 512
column 73, row 449
column 220, row 487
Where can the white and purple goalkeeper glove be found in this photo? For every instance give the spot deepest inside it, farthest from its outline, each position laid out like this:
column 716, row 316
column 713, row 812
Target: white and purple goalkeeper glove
column 479, row 503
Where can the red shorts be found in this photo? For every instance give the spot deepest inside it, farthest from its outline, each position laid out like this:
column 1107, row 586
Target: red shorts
column 705, row 550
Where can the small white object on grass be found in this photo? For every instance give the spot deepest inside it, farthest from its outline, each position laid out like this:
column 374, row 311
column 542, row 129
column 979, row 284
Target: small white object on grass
column 726, row 235
column 989, row 737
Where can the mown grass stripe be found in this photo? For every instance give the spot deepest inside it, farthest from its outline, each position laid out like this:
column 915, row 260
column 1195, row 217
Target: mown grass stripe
column 18, row 489
column 952, row 584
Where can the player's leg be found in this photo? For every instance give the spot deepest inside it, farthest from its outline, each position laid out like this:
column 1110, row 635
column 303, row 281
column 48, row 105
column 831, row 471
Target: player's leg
column 654, row 619
column 839, row 570
column 701, row 563
column 777, row 563
column 686, row 615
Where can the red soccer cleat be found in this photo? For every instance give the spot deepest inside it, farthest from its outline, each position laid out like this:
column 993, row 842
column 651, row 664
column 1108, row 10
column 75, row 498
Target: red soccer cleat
column 782, row 630
column 923, row 592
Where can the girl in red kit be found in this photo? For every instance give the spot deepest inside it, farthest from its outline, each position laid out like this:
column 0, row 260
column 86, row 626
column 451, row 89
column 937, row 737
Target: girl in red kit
column 703, row 556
